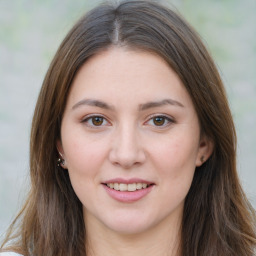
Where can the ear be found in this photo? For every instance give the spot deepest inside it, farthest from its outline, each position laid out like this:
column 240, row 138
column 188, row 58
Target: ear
column 62, row 155
column 205, row 150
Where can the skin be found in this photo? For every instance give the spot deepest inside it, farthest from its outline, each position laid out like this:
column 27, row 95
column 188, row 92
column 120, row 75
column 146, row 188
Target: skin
column 130, row 143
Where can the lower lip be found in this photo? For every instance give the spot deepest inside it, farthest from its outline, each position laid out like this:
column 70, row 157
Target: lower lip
column 127, row 196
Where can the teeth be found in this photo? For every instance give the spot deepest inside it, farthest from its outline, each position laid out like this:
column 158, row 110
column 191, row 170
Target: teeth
column 144, row 185
column 127, row 187
column 116, row 186
column 139, row 186
column 132, row 187
column 123, row 187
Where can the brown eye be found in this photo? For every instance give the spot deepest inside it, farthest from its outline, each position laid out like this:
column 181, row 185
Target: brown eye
column 97, row 120
column 159, row 120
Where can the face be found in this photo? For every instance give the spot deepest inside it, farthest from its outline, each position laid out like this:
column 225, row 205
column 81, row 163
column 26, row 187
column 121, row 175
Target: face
column 131, row 140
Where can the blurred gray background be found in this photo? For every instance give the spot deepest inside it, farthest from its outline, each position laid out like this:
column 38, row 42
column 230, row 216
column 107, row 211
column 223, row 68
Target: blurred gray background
column 31, row 31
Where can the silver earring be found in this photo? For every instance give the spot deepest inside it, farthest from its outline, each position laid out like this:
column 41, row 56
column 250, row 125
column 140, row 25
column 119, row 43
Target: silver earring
column 202, row 159
column 61, row 161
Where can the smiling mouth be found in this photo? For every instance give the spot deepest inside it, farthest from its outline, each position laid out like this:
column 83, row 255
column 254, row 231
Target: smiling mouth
column 128, row 187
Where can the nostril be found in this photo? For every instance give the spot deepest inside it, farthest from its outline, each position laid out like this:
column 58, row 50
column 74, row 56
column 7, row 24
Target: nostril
column 127, row 158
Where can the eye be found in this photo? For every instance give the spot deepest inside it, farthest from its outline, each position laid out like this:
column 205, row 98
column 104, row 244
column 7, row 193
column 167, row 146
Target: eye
column 160, row 121
column 95, row 121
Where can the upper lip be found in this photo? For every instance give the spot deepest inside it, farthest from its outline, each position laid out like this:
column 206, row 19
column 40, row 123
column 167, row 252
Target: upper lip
column 128, row 181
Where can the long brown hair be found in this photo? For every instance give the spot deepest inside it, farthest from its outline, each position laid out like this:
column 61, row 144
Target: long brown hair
column 217, row 219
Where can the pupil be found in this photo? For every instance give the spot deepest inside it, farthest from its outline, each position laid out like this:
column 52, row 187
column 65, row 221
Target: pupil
column 97, row 120
column 159, row 121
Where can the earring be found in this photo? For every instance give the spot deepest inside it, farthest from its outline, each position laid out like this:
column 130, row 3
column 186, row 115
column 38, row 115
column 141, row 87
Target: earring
column 61, row 161
column 202, row 159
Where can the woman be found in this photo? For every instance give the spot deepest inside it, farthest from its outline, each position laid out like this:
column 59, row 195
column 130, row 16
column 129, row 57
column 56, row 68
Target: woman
column 133, row 147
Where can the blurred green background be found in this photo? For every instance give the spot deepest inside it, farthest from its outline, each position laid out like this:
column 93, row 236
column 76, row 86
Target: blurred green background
column 31, row 31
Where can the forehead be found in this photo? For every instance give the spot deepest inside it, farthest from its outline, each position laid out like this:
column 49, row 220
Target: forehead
column 120, row 73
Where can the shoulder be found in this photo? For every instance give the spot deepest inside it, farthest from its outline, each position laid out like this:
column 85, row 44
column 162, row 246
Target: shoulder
column 9, row 254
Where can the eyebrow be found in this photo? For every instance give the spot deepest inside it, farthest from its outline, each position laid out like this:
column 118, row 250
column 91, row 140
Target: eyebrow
column 160, row 103
column 142, row 107
column 94, row 103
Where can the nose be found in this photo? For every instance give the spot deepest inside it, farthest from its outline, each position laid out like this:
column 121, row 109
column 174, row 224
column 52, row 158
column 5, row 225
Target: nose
column 126, row 149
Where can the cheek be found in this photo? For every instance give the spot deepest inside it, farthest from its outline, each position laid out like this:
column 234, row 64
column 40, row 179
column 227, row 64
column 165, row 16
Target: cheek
column 177, row 152
column 175, row 157
column 175, row 163
column 84, row 162
column 83, row 153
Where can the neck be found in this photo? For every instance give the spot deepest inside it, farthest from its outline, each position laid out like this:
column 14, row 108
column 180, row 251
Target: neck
column 163, row 240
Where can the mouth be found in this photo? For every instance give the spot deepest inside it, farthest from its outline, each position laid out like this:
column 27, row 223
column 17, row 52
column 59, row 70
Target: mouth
column 130, row 187
column 128, row 191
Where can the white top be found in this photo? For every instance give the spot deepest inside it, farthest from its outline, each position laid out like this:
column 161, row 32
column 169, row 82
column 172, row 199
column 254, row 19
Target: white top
column 9, row 254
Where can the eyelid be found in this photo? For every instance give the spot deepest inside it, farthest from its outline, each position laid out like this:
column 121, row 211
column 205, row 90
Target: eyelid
column 170, row 120
column 88, row 117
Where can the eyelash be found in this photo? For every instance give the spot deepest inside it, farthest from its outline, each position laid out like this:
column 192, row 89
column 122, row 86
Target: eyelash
column 167, row 120
column 89, row 119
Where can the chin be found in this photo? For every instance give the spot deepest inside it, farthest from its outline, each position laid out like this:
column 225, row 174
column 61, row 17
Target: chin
column 130, row 225
column 129, row 228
